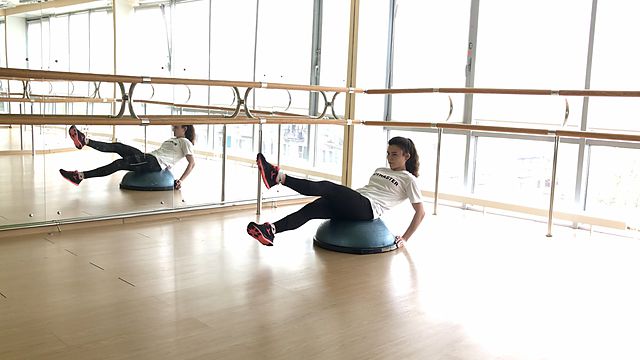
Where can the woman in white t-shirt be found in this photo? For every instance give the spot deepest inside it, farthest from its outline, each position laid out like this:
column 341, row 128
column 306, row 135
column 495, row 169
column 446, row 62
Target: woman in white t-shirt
column 167, row 155
column 387, row 187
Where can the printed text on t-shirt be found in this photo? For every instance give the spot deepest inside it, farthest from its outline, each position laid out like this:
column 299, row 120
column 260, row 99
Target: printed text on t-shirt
column 394, row 181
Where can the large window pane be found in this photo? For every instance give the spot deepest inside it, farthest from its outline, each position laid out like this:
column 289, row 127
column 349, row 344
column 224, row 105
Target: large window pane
column 101, row 59
column 150, row 55
column 79, row 58
column 275, row 39
column 430, row 50
column 328, row 149
column 372, row 44
column 372, row 63
column 3, row 59
column 191, row 53
column 3, row 63
column 613, row 190
column 232, row 56
column 333, row 72
column 522, row 175
column 34, row 45
column 59, row 58
column 615, row 66
column 516, row 50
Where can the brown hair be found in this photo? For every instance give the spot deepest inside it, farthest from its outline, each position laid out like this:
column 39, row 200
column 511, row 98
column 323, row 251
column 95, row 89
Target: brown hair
column 407, row 146
column 190, row 133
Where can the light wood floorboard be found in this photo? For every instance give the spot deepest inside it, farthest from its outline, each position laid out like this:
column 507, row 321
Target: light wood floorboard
column 468, row 286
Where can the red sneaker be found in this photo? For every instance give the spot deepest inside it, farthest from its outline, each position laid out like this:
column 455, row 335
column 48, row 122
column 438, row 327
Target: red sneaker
column 79, row 140
column 72, row 176
column 261, row 232
column 268, row 172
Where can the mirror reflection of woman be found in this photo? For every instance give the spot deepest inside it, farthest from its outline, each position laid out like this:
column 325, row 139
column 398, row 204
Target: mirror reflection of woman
column 165, row 157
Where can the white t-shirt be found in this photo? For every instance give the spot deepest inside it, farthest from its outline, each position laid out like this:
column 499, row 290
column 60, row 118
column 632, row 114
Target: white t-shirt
column 172, row 151
column 388, row 188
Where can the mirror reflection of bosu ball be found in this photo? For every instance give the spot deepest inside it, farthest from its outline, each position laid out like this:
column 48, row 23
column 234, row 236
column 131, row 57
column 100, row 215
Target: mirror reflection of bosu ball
column 148, row 181
column 355, row 237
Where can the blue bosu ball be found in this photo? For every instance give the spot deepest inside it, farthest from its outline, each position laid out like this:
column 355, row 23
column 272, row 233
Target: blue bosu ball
column 148, row 181
column 355, row 237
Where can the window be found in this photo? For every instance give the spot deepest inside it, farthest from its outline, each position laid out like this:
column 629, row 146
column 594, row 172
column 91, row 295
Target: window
column 615, row 66
column 522, row 175
column 612, row 188
column 101, row 59
column 190, row 49
column 430, row 49
column 516, row 50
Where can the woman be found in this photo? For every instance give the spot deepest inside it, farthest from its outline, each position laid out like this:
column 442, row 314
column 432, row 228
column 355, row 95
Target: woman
column 167, row 155
column 387, row 187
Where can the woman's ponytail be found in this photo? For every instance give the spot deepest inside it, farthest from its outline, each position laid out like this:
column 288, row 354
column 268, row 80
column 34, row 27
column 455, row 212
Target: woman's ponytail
column 407, row 146
column 190, row 133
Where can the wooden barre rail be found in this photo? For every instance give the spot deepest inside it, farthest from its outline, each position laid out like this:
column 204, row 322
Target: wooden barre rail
column 213, row 107
column 459, row 126
column 41, row 75
column 608, row 93
column 59, row 100
column 80, row 99
column 45, row 75
column 9, row 119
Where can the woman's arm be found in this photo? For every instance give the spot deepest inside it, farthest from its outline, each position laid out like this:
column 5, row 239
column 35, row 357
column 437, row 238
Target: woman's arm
column 415, row 222
column 190, row 166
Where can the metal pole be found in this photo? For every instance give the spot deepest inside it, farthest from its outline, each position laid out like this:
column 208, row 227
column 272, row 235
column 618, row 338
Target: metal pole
column 470, row 73
column 580, row 189
column 393, row 10
column 259, row 198
column 33, row 136
column 279, row 142
column 316, row 41
column 33, row 141
column 553, row 185
column 224, row 162
column 21, row 130
column 435, row 196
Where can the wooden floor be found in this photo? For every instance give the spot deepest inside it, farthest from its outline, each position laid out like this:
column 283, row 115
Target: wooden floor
column 467, row 286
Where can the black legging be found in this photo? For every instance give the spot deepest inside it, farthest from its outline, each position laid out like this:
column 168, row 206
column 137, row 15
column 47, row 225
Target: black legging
column 132, row 159
column 336, row 202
